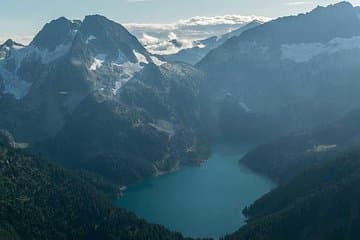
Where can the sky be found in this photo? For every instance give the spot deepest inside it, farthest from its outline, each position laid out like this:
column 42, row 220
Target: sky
column 19, row 18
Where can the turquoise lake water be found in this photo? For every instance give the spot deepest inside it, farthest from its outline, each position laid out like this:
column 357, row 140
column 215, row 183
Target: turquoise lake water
column 201, row 201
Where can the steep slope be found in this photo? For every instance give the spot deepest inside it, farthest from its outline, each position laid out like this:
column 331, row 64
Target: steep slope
column 6, row 47
column 147, row 131
column 93, row 83
column 36, row 77
column 227, row 119
column 43, row 201
column 322, row 203
column 300, row 70
column 195, row 54
column 288, row 156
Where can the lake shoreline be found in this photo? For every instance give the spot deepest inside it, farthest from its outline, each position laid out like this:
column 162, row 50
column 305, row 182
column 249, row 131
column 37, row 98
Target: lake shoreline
column 188, row 200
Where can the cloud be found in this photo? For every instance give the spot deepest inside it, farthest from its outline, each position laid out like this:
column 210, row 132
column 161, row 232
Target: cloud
column 221, row 20
column 149, row 40
column 170, row 38
column 167, row 38
column 299, row 3
column 171, row 44
column 200, row 21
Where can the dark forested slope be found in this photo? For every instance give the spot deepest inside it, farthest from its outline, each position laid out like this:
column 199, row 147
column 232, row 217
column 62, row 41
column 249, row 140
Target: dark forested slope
column 323, row 203
column 288, row 156
column 42, row 201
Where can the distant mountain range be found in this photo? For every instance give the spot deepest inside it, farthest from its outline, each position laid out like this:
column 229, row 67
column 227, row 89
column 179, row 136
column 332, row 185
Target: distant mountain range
column 203, row 47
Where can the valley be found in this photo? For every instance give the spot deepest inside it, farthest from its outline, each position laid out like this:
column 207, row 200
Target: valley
column 88, row 107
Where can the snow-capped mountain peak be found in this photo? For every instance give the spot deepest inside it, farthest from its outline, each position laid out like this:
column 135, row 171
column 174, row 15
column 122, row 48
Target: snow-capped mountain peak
column 99, row 44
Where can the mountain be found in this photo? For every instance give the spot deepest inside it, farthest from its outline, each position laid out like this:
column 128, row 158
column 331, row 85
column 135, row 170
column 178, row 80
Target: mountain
column 66, row 67
column 322, row 203
column 148, row 132
column 301, row 71
column 6, row 47
column 288, row 156
column 40, row 200
column 88, row 95
column 203, row 47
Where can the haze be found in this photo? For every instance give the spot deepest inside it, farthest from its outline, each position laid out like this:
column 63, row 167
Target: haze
column 17, row 21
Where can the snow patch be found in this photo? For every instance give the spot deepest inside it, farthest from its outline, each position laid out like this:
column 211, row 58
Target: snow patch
column 244, row 106
column 304, row 52
column 90, row 38
column 3, row 54
column 121, row 67
column 157, row 61
column 322, row 148
column 48, row 57
column 164, row 127
column 14, row 85
column 17, row 47
column 98, row 62
column 201, row 45
column 141, row 58
column 127, row 69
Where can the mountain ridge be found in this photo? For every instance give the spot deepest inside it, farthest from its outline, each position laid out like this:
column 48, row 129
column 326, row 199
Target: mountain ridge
column 195, row 54
column 275, row 71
